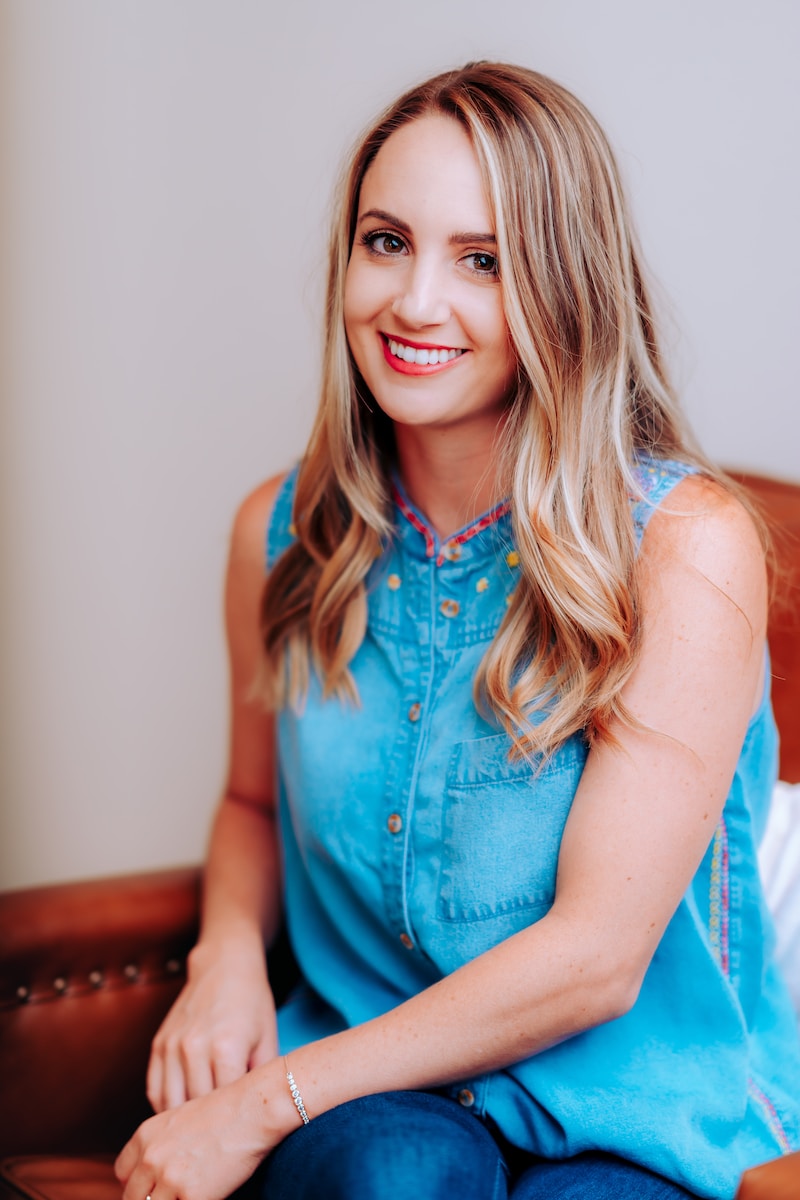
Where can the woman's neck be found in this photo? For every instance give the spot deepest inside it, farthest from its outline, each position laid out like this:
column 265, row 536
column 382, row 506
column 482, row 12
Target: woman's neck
column 448, row 476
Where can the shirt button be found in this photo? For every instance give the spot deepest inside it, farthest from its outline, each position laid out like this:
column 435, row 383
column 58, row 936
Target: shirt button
column 407, row 942
column 465, row 1098
column 414, row 712
column 449, row 608
column 395, row 823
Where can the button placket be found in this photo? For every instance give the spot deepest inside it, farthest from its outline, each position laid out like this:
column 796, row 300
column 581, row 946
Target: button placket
column 448, row 590
column 416, row 666
column 397, row 800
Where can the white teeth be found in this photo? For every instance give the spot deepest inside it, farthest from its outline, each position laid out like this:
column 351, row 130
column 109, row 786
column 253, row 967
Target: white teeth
column 422, row 358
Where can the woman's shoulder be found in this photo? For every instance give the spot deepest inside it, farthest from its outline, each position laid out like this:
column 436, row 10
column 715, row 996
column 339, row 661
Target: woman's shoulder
column 700, row 506
column 255, row 525
column 684, row 502
column 654, row 479
column 707, row 530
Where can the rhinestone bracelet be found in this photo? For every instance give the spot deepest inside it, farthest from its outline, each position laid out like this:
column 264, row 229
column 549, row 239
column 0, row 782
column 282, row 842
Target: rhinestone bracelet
column 294, row 1089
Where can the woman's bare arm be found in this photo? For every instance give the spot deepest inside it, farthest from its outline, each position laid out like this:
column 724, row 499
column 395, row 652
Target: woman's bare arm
column 223, row 1022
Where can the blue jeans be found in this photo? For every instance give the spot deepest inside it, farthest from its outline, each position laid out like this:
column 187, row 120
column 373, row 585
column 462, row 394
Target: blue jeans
column 419, row 1146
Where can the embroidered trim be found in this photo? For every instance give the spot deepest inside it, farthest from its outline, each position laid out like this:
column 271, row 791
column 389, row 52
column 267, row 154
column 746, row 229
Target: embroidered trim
column 478, row 527
column 770, row 1112
column 719, row 899
column 413, row 519
column 460, row 538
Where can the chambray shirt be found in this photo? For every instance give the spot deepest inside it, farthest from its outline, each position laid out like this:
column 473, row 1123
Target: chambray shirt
column 412, row 843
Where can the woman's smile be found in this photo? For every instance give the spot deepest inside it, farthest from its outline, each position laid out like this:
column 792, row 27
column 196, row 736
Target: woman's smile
column 417, row 358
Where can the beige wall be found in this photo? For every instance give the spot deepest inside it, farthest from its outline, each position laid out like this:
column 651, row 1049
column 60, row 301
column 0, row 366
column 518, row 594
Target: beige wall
column 164, row 173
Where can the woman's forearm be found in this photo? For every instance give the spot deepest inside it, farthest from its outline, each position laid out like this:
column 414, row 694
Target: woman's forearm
column 531, row 991
column 241, row 886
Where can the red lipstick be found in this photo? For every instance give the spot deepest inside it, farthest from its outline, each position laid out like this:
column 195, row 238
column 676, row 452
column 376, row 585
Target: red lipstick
column 413, row 368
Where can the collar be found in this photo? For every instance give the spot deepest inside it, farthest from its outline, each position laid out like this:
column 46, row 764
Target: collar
column 414, row 526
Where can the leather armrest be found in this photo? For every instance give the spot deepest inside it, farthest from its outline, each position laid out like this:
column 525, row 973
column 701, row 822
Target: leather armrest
column 87, row 972
column 778, row 1179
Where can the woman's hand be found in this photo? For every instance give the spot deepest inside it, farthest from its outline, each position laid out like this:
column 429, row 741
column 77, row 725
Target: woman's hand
column 208, row 1147
column 221, row 1026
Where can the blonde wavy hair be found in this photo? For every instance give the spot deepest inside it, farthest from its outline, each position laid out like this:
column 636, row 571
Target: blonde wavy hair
column 591, row 394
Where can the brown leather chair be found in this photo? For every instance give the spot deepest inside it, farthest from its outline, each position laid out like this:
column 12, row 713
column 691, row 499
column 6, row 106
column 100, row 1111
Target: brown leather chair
column 87, row 971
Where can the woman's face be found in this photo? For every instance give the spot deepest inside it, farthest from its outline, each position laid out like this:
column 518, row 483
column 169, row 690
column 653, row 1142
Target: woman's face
column 423, row 306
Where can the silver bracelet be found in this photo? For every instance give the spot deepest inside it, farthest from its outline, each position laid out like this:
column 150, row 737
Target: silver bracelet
column 294, row 1089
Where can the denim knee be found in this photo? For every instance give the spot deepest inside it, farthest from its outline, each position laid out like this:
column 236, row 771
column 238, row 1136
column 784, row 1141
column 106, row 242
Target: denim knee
column 594, row 1176
column 392, row 1146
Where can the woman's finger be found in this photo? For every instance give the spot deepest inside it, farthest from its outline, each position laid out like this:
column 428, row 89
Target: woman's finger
column 229, row 1064
column 138, row 1182
column 125, row 1161
column 154, row 1085
column 137, row 1188
column 197, row 1071
column 174, row 1084
column 266, row 1049
column 133, row 1190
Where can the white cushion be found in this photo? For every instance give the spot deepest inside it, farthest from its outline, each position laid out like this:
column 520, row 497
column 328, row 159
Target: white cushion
column 779, row 863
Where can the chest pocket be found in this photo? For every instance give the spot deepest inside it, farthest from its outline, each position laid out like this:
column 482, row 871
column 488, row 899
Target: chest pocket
column 502, row 824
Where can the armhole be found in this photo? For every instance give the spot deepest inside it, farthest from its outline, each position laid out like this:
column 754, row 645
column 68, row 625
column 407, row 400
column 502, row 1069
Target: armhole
column 280, row 532
column 656, row 479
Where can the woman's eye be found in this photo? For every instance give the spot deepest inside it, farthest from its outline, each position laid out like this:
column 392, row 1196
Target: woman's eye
column 482, row 263
column 384, row 243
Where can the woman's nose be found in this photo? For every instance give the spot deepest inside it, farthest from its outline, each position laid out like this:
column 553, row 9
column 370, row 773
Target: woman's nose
column 421, row 299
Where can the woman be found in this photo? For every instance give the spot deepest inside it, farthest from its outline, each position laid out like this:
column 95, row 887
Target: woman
column 514, row 640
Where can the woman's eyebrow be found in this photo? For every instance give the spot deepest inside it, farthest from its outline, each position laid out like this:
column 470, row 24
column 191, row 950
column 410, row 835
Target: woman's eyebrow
column 461, row 239
column 455, row 239
column 379, row 215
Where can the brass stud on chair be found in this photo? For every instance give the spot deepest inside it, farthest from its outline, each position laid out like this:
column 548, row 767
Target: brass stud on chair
column 60, row 985
column 23, row 994
column 96, row 979
column 131, row 972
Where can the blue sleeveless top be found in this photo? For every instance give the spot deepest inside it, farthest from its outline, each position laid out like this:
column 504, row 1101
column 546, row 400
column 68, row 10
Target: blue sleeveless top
column 412, row 844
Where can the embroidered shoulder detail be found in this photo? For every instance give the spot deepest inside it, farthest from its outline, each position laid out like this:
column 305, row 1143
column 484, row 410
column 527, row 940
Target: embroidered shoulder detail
column 656, row 478
column 280, row 530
